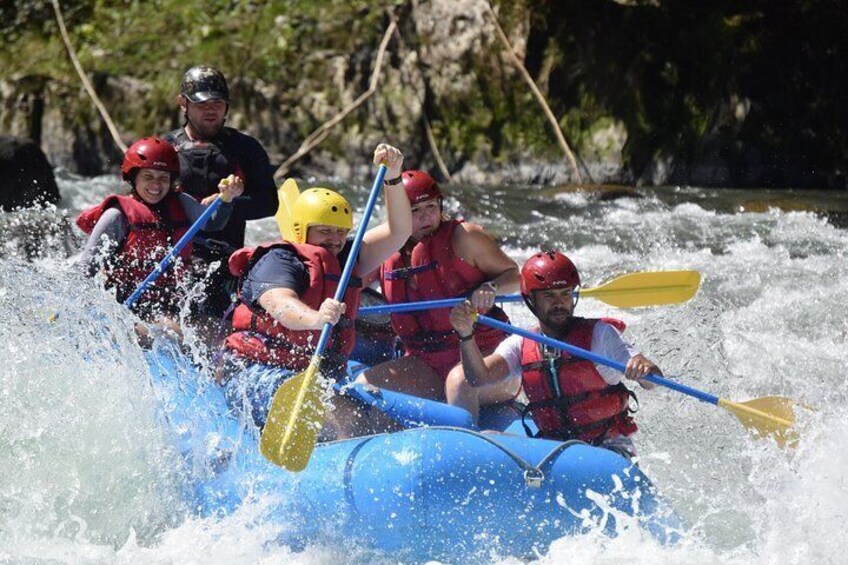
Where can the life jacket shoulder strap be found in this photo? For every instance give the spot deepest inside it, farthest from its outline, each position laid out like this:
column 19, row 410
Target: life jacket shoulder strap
column 405, row 273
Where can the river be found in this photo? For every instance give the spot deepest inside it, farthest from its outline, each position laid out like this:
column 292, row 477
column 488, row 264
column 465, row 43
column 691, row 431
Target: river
column 88, row 475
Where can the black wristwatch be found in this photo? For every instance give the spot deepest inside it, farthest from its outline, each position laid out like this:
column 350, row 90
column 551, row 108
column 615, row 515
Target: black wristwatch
column 393, row 181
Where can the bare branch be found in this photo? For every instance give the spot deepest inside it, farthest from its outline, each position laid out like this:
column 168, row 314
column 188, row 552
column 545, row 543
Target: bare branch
column 540, row 98
column 116, row 136
column 435, row 149
column 317, row 136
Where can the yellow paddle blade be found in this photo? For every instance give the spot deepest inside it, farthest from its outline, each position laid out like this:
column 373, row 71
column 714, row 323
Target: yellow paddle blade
column 294, row 420
column 650, row 288
column 771, row 416
column 287, row 193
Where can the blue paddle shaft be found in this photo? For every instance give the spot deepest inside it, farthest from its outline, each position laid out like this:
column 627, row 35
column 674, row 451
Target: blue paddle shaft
column 432, row 304
column 428, row 304
column 166, row 262
column 588, row 355
column 354, row 252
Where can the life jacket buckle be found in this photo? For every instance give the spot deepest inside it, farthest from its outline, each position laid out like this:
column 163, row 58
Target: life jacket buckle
column 533, row 478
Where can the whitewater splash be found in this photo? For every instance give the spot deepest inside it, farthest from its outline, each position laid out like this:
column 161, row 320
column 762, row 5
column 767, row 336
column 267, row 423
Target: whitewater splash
column 90, row 475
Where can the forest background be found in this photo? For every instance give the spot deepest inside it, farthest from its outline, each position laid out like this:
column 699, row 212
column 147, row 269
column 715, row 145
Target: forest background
column 652, row 92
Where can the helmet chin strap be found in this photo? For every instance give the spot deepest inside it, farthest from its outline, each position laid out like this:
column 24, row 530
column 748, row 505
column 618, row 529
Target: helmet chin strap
column 529, row 303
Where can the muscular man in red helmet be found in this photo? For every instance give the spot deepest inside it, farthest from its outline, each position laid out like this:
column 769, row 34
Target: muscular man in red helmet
column 570, row 398
column 444, row 258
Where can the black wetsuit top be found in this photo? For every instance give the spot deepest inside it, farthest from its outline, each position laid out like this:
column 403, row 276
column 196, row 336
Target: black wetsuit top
column 203, row 165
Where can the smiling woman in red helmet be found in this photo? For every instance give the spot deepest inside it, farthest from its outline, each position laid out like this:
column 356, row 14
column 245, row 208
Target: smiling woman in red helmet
column 444, row 258
column 130, row 234
column 570, row 398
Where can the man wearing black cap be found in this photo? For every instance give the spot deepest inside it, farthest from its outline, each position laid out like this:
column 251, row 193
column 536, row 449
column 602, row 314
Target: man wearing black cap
column 211, row 153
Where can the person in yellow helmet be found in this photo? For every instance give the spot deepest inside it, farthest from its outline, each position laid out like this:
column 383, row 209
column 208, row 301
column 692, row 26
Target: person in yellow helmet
column 288, row 286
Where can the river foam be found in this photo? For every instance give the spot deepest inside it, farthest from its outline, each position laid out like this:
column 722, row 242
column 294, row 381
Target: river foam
column 91, row 478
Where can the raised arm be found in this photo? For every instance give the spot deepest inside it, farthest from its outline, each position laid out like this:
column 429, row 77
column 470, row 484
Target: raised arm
column 380, row 242
column 193, row 209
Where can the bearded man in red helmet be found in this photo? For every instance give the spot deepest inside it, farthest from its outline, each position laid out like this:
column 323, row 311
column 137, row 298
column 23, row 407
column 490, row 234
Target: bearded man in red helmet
column 444, row 258
column 130, row 234
column 569, row 398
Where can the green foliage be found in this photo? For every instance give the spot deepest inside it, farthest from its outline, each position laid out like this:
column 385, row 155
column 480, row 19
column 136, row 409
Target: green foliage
column 747, row 81
column 153, row 41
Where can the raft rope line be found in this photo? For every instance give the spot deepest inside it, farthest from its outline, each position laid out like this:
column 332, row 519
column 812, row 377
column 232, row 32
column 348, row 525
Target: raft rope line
column 348, row 474
column 534, row 476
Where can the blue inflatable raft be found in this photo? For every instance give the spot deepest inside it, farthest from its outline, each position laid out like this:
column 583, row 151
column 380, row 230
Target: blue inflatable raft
column 436, row 492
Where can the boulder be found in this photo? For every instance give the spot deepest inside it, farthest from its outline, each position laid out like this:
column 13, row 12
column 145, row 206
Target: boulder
column 26, row 177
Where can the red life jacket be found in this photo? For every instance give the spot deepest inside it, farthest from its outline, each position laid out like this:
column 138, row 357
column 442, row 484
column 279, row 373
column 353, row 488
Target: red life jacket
column 151, row 235
column 438, row 273
column 258, row 337
column 585, row 407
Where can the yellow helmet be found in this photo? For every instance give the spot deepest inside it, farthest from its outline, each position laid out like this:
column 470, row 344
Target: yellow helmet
column 319, row 206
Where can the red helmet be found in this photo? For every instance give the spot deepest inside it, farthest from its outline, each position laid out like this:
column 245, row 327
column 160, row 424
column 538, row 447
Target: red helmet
column 548, row 269
column 150, row 153
column 420, row 186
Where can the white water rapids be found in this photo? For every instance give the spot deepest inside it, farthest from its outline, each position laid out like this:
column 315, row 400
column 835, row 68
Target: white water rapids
column 88, row 475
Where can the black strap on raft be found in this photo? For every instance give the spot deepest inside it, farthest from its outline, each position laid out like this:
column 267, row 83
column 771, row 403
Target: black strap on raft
column 534, row 475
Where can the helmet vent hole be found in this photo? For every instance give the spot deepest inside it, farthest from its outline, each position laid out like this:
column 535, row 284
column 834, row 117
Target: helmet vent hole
column 539, row 277
column 335, row 209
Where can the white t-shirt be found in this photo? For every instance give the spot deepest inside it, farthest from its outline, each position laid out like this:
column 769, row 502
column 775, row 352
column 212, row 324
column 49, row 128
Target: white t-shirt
column 606, row 342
